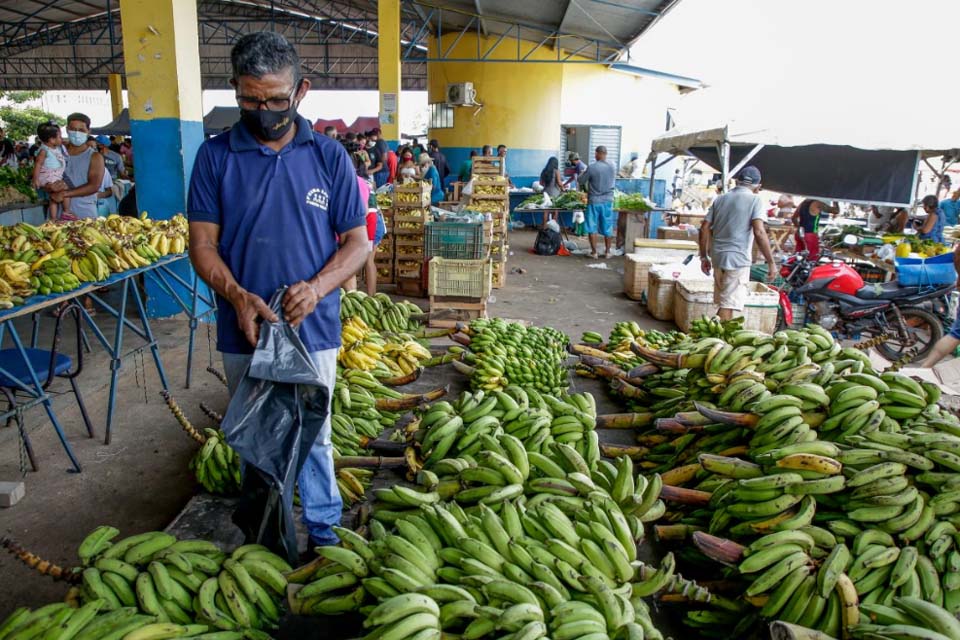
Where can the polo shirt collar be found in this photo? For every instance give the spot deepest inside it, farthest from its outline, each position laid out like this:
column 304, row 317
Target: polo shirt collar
column 242, row 140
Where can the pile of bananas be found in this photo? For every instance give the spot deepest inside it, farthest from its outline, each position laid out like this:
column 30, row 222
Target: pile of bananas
column 706, row 327
column 364, row 349
column 216, row 465
column 408, row 196
column 503, row 353
column 828, row 485
column 384, row 201
column 545, row 546
column 353, row 484
column 472, row 423
column 412, row 226
column 152, row 586
column 492, row 186
column 380, row 312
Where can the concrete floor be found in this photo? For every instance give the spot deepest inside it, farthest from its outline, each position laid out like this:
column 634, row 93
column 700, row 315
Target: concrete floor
column 141, row 481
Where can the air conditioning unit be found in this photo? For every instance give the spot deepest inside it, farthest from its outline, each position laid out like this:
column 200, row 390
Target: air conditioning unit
column 461, row 93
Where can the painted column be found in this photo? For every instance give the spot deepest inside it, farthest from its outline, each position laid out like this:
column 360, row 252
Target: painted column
column 162, row 59
column 388, row 68
column 115, row 84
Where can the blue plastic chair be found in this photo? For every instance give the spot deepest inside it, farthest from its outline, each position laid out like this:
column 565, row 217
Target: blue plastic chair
column 47, row 365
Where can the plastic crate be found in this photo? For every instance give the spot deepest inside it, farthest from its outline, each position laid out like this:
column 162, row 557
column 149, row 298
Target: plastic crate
column 454, row 240
column 459, row 278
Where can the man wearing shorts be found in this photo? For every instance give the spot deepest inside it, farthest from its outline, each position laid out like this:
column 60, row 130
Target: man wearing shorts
column 598, row 181
column 726, row 242
column 948, row 343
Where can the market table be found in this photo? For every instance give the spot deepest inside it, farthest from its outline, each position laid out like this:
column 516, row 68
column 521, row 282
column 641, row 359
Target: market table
column 161, row 273
column 778, row 235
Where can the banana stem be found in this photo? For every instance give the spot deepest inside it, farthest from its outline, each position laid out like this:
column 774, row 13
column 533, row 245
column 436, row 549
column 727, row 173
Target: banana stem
column 463, row 368
column 608, row 372
column 692, row 418
column 674, row 532
column 727, row 417
column 584, row 350
column 181, row 418
column 219, row 375
column 626, row 389
column 424, row 332
column 369, row 462
column 399, row 381
column 382, row 446
column 410, row 401
column 37, row 563
column 780, row 630
column 464, row 327
column 664, row 358
column 644, row 370
column 461, row 338
column 623, row 420
column 684, row 496
column 618, row 450
column 672, row 425
column 210, row 413
column 446, row 358
column 719, row 549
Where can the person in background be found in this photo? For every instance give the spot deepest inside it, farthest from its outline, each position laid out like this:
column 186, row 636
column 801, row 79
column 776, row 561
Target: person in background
column 947, row 344
column 486, row 151
column 429, row 173
column 115, row 143
column 49, row 168
column 376, row 160
column 363, row 158
column 630, row 169
column 408, row 168
column 112, row 161
column 572, row 171
column 887, row 219
column 502, row 154
column 392, row 161
column 932, row 227
column 726, row 242
column 550, row 178
column 439, row 160
column 330, row 131
column 246, row 247
column 415, row 148
column 785, row 206
column 806, row 219
column 126, row 150
column 951, row 209
column 23, row 153
column 8, row 154
column 382, row 176
column 466, row 169
column 598, row 181
column 84, row 170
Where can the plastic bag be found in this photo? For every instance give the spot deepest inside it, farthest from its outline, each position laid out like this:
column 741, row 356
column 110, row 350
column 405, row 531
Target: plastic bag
column 272, row 420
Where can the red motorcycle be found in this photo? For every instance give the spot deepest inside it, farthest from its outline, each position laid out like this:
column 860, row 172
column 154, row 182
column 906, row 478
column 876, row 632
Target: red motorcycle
column 836, row 297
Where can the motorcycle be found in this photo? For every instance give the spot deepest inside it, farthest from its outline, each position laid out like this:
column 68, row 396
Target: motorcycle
column 905, row 322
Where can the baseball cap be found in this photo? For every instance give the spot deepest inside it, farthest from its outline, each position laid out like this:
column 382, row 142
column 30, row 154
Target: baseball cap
column 749, row 175
column 104, row 140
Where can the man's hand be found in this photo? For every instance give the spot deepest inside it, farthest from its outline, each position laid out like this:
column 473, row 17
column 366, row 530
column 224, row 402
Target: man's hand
column 300, row 301
column 705, row 265
column 771, row 272
column 249, row 308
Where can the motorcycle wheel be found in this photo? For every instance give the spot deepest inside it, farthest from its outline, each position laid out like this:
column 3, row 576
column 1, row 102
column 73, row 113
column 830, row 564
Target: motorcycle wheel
column 926, row 329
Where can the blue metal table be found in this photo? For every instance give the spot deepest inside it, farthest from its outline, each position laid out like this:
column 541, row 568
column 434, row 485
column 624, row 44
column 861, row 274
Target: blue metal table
column 161, row 273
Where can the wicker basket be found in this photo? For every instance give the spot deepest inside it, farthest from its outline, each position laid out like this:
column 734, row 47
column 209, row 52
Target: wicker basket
column 660, row 294
column 694, row 299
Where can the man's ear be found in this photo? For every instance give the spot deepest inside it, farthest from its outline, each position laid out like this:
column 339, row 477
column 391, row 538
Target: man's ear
column 233, row 83
column 304, row 88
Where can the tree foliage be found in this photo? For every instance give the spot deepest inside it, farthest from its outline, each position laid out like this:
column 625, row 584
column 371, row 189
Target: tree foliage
column 20, row 119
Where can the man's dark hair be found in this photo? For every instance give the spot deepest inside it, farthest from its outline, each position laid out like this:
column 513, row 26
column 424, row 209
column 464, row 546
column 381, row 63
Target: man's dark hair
column 262, row 53
column 82, row 117
column 501, row 146
column 47, row 131
column 434, row 144
column 930, row 201
column 351, row 136
column 474, row 153
column 487, row 149
column 329, row 129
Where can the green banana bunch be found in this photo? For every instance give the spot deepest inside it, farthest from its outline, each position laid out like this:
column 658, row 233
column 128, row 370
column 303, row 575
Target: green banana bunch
column 217, row 465
column 507, row 353
column 714, row 327
column 380, row 312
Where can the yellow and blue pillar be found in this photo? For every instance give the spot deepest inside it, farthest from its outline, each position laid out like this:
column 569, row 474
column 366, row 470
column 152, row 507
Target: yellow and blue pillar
column 388, row 69
column 115, row 85
column 161, row 53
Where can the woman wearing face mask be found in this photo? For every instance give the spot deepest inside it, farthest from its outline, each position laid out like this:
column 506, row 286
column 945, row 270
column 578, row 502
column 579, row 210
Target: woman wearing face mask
column 408, row 169
column 429, row 173
column 85, row 169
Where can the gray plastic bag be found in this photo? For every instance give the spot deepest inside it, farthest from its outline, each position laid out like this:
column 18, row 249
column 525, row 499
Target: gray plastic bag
column 273, row 419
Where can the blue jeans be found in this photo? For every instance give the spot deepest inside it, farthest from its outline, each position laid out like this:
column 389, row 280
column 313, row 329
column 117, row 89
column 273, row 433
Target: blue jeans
column 317, row 481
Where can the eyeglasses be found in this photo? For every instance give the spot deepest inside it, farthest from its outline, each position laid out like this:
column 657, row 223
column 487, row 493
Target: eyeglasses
column 249, row 103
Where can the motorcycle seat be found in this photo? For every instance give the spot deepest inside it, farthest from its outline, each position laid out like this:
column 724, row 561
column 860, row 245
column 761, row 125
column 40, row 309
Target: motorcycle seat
column 885, row 291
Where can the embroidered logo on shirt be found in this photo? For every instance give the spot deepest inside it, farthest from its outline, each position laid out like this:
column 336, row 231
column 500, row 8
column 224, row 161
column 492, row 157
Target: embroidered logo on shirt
column 318, row 198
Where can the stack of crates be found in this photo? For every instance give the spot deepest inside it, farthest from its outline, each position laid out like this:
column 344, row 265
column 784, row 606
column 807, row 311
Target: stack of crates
column 385, row 252
column 491, row 196
column 411, row 209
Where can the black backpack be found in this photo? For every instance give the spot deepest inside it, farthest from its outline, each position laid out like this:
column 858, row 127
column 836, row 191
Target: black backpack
column 547, row 243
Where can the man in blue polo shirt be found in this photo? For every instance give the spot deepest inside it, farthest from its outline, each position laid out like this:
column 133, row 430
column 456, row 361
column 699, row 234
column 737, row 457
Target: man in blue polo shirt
column 267, row 201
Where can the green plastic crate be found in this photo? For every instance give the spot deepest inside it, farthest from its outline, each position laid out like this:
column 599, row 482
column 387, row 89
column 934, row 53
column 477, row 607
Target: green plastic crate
column 454, row 240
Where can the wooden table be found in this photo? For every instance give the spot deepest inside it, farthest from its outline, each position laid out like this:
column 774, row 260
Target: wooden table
column 778, row 235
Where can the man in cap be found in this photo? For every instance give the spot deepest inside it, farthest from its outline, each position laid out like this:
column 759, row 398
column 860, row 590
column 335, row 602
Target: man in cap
column 112, row 161
column 726, row 242
column 598, row 180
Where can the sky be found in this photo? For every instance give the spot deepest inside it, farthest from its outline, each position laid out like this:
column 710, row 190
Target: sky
column 864, row 70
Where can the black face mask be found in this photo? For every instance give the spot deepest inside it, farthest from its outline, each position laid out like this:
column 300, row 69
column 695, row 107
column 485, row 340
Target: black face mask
column 269, row 125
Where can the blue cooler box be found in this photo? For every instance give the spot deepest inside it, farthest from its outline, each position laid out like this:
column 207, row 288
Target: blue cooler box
column 919, row 272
